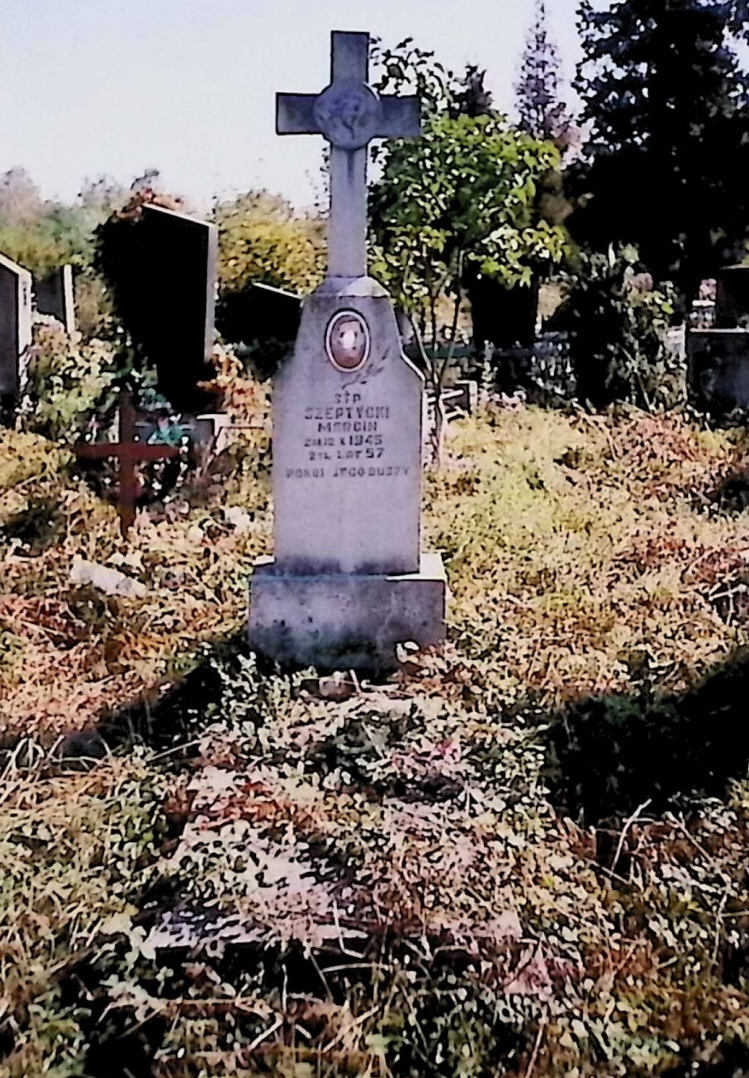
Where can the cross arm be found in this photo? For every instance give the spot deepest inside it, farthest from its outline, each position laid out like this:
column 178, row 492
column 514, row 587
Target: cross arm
column 153, row 452
column 295, row 114
column 96, row 450
column 134, row 451
column 400, row 117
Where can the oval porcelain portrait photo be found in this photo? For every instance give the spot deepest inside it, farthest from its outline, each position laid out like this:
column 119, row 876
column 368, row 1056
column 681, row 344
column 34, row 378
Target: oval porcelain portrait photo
column 347, row 341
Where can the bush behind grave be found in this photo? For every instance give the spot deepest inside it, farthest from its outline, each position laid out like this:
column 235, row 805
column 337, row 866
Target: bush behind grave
column 65, row 378
column 616, row 322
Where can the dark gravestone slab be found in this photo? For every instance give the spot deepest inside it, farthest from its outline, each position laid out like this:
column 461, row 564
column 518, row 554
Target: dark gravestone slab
column 15, row 328
column 732, row 297
column 164, row 272
column 259, row 314
column 718, row 363
column 505, row 317
column 54, row 295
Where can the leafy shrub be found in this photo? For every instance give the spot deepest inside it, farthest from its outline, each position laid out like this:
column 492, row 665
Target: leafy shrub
column 65, row 379
column 94, row 312
column 616, row 322
column 260, row 239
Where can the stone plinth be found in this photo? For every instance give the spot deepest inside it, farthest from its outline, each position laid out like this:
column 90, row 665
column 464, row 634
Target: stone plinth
column 337, row 621
column 719, row 369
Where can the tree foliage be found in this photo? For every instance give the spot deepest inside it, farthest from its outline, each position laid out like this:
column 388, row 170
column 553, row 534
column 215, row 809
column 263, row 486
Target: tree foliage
column 541, row 109
column 471, row 97
column 668, row 109
column 457, row 205
column 260, row 239
column 409, row 69
column 464, row 194
column 41, row 234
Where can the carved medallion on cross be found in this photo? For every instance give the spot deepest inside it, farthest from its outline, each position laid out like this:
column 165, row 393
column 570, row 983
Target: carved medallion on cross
column 349, row 114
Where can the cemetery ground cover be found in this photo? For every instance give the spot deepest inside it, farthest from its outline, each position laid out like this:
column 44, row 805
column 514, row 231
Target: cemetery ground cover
column 523, row 855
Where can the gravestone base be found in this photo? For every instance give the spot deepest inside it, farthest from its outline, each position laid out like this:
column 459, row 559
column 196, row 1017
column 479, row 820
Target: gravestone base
column 345, row 621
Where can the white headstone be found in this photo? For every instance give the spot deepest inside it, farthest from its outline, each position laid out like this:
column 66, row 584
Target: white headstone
column 348, row 580
column 347, row 442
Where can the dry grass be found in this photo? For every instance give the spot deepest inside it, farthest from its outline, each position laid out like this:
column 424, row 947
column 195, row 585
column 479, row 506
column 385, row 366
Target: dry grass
column 522, row 855
column 67, row 652
column 575, row 544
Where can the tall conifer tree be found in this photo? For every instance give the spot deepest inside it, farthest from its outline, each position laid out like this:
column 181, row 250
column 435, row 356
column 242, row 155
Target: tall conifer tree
column 541, row 109
column 667, row 105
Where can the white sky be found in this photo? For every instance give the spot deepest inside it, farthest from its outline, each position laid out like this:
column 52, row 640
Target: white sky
column 187, row 86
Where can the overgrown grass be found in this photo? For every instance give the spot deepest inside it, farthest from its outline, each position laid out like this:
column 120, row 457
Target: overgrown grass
column 75, row 854
column 68, row 651
column 524, row 855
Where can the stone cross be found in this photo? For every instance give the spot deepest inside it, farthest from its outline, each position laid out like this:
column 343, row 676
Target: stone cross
column 349, row 114
column 128, row 452
column 348, row 580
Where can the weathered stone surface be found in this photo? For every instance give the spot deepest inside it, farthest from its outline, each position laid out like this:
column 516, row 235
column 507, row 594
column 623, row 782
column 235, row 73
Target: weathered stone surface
column 719, row 369
column 15, row 327
column 347, row 445
column 338, row 621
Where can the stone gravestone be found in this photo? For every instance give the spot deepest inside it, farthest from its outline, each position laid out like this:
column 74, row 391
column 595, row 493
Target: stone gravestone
column 165, row 286
column 732, row 297
column 54, row 295
column 718, row 369
column 15, row 329
column 259, row 314
column 348, row 581
column 718, row 356
column 262, row 322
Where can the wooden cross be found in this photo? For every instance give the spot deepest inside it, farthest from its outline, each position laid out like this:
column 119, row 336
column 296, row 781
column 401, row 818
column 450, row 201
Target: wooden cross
column 349, row 114
column 128, row 452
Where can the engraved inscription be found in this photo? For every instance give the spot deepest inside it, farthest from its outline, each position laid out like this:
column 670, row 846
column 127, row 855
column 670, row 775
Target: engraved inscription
column 350, row 436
